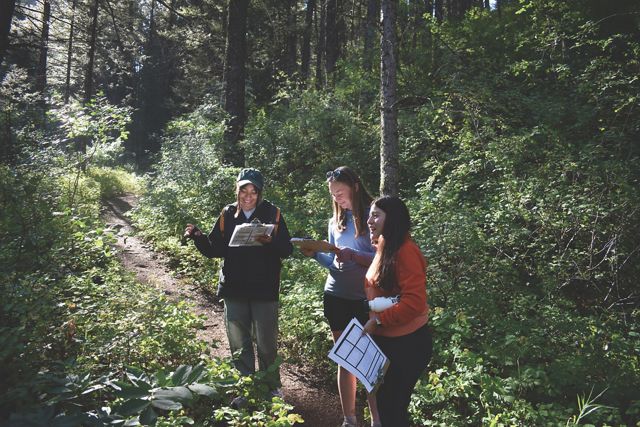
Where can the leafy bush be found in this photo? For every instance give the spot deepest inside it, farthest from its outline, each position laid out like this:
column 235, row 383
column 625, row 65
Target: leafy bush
column 306, row 134
column 524, row 216
column 304, row 333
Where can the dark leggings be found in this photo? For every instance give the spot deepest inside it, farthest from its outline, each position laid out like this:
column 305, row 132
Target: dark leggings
column 409, row 356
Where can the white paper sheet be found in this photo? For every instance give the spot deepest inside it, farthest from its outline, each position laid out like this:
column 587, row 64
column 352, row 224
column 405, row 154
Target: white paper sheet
column 245, row 234
column 360, row 355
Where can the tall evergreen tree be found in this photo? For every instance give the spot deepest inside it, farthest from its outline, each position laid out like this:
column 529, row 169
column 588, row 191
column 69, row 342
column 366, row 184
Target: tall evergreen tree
column 6, row 15
column 306, row 39
column 41, row 73
column 234, row 79
column 321, row 44
column 72, row 26
column 371, row 25
column 389, row 163
column 91, row 54
column 291, row 39
column 331, row 39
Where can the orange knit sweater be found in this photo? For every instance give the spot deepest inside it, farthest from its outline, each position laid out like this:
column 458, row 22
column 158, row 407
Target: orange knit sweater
column 412, row 311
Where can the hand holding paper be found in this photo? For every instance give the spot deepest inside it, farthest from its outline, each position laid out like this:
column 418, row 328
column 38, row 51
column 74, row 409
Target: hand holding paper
column 358, row 353
column 251, row 234
column 314, row 245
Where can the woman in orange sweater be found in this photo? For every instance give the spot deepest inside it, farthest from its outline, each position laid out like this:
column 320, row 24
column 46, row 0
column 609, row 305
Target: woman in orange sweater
column 401, row 331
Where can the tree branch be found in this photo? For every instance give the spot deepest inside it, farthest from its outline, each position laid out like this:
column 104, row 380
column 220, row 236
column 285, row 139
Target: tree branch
column 171, row 9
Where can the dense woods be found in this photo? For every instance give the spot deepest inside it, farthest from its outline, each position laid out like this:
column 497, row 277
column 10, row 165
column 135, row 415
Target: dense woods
column 511, row 128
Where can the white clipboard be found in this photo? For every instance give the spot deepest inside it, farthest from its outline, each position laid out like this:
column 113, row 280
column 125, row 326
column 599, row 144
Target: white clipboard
column 360, row 355
column 245, row 234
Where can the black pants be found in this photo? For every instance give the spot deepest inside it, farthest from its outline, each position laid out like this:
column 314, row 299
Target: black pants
column 409, row 356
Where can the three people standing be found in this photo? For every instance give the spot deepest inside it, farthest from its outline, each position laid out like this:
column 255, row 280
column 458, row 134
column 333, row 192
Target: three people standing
column 375, row 257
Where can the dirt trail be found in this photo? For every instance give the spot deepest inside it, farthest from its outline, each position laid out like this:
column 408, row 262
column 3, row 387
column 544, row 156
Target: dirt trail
column 319, row 406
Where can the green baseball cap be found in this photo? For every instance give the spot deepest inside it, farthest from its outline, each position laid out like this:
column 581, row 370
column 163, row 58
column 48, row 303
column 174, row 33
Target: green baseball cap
column 250, row 176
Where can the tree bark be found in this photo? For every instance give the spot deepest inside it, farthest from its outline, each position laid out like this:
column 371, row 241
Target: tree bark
column 41, row 73
column 331, row 39
column 234, row 77
column 371, row 25
column 6, row 15
column 320, row 48
column 292, row 40
column 67, row 82
column 439, row 10
column 306, row 40
column 88, row 76
column 389, row 163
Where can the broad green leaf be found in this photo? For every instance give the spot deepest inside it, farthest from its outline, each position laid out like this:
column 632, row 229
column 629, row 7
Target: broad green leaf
column 196, row 374
column 133, row 392
column 132, row 422
column 148, row 416
column 203, row 390
column 133, row 406
column 180, row 394
column 166, row 405
column 181, row 374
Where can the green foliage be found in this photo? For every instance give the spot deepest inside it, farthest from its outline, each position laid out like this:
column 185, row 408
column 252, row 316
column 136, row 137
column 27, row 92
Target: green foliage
column 79, row 336
column 524, row 213
column 188, row 185
column 188, row 395
column 98, row 127
column 519, row 160
column 20, row 117
column 306, row 133
column 114, row 181
column 304, row 333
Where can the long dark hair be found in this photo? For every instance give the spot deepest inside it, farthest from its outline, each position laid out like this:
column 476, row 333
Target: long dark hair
column 360, row 200
column 394, row 232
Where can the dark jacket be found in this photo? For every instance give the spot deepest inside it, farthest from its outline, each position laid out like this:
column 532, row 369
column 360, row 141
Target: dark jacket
column 248, row 271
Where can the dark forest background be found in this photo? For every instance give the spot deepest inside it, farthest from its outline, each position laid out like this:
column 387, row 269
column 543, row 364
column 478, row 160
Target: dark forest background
column 511, row 128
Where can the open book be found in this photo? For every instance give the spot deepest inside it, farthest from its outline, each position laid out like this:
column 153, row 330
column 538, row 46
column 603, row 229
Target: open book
column 245, row 234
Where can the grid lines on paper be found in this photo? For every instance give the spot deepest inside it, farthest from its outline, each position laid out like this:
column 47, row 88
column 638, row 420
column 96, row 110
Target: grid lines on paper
column 355, row 350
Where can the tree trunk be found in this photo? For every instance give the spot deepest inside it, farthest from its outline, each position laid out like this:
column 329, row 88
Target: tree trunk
column 6, row 15
column 234, row 77
column 306, row 40
column 389, row 164
column 320, row 48
column 67, row 82
column 292, row 41
column 172, row 16
column 88, row 76
column 373, row 16
column 331, row 39
column 439, row 10
column 41, row 73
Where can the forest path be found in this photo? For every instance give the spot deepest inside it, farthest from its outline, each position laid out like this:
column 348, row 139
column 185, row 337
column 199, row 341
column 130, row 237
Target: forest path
column 318, row 404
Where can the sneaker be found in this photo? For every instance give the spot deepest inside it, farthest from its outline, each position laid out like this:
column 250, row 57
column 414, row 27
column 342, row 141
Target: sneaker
column 239, row 402
column 276, row 393
column 347, row 423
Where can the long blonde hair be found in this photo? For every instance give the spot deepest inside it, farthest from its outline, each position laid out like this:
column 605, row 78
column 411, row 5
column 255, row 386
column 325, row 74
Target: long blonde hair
column 360, row 200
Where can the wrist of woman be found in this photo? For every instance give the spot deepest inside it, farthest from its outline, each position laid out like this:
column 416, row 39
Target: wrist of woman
column 361, row 258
